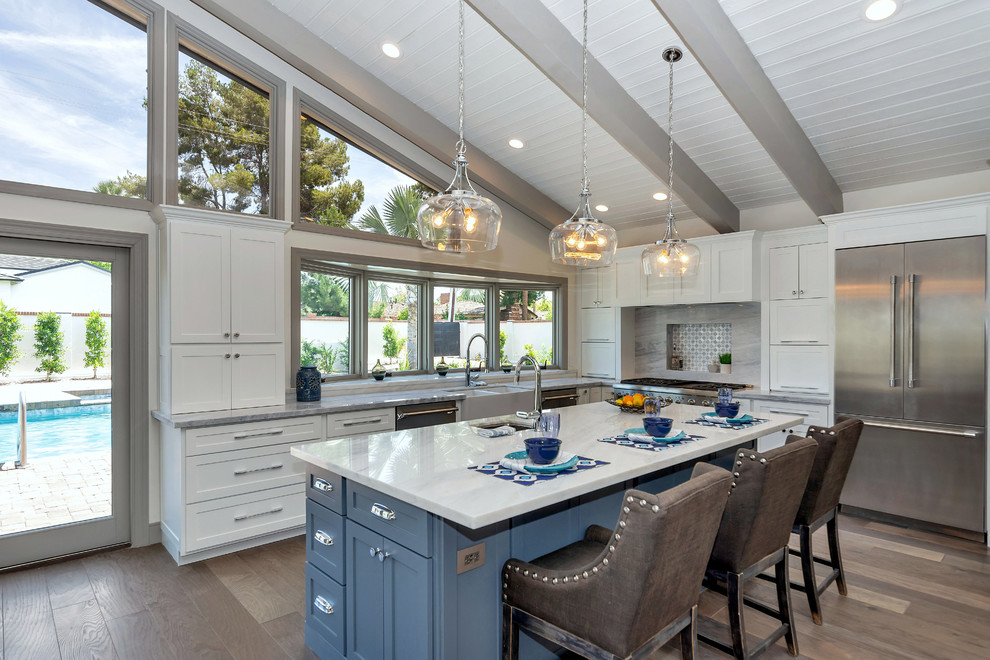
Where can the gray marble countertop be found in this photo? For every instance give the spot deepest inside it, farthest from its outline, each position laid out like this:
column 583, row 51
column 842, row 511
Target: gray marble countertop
column 368, row 397
column 427, row 467
column 784, row 397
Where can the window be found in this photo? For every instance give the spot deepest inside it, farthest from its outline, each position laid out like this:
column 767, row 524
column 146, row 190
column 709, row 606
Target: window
column 526, row 325
column 224, row 139
column 393, row 325
column 341, row 185
column 325, row 322
column 74, row 82
column 459, row 313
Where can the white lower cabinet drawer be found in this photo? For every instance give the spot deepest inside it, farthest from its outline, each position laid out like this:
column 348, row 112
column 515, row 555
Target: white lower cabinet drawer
column 253, row 434
column 361, row 422
column 814, row 415
column 233, row 519
column 210, row 476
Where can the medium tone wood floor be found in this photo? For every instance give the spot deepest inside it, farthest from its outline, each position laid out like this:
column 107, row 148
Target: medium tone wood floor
column 911, row 595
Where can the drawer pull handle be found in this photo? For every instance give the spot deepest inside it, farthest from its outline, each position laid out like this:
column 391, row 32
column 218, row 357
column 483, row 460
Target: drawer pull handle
column 382, row 511
column 323, row 605
column 260, row 434
column 276, row 466
column 799, row 341
column 323, row 484
column 795, row 387
column 789, row 412
column 414, row 413
column 363, row 421
column 255, row 515
column 322, row 537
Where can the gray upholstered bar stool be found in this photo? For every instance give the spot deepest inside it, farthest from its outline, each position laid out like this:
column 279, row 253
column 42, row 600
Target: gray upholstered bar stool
column 836, row 447
column 621, row 593
column 753, row 535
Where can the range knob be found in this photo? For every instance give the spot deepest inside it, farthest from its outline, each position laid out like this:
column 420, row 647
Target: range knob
column 690, row 402
column 708, row 402
column 669, row 400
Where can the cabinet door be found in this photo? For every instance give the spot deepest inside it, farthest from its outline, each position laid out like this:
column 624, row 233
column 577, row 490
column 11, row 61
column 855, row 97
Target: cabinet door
column 408, row 599
column 200, row 377
column 598, row 360
column 365, row 618
column 256, row 276
column 732, row 270
column 799, row 322
column 606, row 285
column 199, row 281
column 258, row 378
column 597, row 324
column 628, row 278
column 697, row 288
column 784, row 273
column 813, row 270
column 799, row 369
column 659, row 290
column 588, row 288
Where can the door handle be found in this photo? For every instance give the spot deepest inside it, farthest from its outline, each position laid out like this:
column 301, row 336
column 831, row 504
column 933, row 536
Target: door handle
column 911, row 382
column 922, row 429
column 893, row 327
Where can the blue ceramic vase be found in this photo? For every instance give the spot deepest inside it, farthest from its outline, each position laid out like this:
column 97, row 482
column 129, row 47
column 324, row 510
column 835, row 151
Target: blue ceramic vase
column 308, row 384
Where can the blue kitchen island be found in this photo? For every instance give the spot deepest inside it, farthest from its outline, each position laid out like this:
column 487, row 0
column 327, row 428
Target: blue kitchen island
column 406, row 535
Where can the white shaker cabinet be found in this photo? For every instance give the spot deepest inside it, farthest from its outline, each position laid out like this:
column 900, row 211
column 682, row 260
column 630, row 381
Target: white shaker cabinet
column 799, row 322
column 628, row 278
column 598, row 360
column 596, row 287
column 696, row 288
column 733, row 276
column 800, row 369
column 256, row 276
column 799, row 271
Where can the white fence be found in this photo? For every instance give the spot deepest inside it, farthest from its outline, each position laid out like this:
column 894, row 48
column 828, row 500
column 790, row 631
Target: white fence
column 74, row 333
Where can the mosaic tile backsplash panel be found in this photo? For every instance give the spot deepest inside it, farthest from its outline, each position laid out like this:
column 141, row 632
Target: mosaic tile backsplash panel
column 699, row 343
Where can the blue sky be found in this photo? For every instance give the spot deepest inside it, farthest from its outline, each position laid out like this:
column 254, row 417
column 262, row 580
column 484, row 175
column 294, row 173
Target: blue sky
column 72, row 81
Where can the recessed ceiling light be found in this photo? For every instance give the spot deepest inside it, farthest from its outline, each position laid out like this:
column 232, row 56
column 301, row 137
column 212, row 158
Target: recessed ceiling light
column 659, row 196
column 391, row 50
column 601, row 207
column 880, row 9
column 516, row 143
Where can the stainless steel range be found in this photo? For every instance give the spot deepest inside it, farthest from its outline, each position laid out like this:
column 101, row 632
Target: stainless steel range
column 671, row 390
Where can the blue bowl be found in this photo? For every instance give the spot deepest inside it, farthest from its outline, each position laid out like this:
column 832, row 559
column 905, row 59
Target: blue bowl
column 658, row 427
column 542, row 450
column 727, row 409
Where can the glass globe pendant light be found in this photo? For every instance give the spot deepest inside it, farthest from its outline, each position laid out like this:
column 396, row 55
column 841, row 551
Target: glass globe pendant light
column 672, row 256
column 459, row 219
column 582, row 240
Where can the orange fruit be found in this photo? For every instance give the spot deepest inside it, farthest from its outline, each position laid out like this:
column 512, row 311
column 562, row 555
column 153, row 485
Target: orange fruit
column 638, row 399
column 628, row 400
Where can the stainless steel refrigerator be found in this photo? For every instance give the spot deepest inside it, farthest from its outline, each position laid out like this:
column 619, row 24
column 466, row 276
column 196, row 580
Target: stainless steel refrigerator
column 910, row 360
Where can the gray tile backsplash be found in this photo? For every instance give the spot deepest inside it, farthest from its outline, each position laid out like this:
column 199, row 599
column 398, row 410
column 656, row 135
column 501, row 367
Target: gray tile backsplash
column 700, row 333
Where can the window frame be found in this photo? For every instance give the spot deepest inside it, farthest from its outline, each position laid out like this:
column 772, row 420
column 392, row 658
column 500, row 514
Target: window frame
column 355, row 312
column 152, row 16
column 445, row 281
column 557, row 328
column 353, row 135
column 183, row 35
column 423, row 284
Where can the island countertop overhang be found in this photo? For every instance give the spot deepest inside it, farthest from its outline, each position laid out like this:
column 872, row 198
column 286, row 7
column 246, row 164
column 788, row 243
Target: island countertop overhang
column 427, row 467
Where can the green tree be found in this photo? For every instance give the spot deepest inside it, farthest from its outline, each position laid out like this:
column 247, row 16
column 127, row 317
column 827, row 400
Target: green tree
column 319, row 355
column 391, row 344
column 324, row 295
column 502, row 358
column 10, row 334
column 97, row 338
column 49, row 344
column 324, row 196
column 401, row 206
column 129, row 185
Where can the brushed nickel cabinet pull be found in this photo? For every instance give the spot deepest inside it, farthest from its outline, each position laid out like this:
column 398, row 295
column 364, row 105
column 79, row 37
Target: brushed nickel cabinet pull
column 359, row 422
column 259, row 434
column 382, row 511
column 255, row 515
column 274, row 466
column 323, row 538
column 323, row 484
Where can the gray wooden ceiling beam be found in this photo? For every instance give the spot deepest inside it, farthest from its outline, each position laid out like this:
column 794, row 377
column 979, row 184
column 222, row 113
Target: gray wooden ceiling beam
column 548, row 44
column 709, row 34
column 287, row 39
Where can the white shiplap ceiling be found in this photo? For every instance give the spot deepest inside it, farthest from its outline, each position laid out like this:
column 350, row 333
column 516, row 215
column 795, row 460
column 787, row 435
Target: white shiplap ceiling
column 897, row 101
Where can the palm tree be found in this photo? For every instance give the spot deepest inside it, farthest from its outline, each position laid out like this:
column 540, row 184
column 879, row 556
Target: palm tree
column 400, row 206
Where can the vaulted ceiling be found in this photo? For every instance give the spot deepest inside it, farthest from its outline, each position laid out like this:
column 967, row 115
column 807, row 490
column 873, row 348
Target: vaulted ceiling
column 774, row 101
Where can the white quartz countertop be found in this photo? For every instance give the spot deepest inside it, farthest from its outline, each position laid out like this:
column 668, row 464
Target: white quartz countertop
column 784, row 397
column 427, row 467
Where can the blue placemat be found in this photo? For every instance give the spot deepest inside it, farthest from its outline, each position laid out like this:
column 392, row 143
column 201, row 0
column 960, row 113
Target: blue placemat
column 623, row 441
column 528, row 478
column 702, row 421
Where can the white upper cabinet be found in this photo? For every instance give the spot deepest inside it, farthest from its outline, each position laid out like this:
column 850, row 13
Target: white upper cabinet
column 256, row 267
column 596, row 286
column 628, row 277
column 696, row 288
column 799, row 271
column 199, row 278
column 597, row 324
column 799, row 322
column 733, row 276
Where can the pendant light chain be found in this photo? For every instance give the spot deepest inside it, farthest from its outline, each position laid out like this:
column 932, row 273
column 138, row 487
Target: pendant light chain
column 461, row 147
column 584, row 103
column 670, row 150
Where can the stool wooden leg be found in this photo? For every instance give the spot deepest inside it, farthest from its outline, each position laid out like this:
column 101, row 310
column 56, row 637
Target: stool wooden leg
column 808, row 570
column 510, row 635
column 784, row 604
column 734, row 585
column 689, row 637
column 835, row 555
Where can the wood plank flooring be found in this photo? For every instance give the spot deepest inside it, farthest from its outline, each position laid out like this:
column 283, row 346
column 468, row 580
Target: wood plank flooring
column 912, row 595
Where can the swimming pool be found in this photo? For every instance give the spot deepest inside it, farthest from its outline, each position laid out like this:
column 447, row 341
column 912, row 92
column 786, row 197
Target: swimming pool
column 58, row 431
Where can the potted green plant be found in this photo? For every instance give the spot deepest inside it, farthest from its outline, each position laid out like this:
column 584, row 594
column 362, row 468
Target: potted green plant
column 725, row 363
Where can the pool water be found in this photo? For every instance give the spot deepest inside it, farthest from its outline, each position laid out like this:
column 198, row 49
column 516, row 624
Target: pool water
column 58, row 432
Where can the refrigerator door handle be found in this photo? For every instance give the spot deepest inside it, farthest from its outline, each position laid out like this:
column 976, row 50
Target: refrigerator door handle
column 893, row 328
column 910, row 340
column 922, row 429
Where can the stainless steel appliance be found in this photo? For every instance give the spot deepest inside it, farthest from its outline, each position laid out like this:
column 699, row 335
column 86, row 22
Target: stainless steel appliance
column 563, row 398
column 418, row 415
column 910, row 360
column 671, row 390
